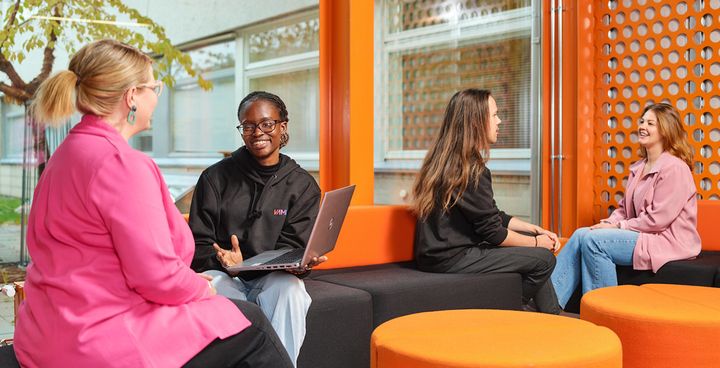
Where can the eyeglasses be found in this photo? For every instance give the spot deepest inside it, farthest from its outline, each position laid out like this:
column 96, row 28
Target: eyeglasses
column 156, row 87
column 265, row 125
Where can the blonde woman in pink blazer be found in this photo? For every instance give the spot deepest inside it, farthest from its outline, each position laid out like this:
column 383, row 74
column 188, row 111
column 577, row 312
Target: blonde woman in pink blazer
column 110, row 284
column 655, row 223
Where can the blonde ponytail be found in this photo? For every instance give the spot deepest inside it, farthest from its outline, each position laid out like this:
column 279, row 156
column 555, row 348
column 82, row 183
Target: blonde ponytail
column 55, row 99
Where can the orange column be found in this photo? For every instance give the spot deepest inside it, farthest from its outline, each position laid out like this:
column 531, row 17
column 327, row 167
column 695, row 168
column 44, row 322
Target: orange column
column 346, row 97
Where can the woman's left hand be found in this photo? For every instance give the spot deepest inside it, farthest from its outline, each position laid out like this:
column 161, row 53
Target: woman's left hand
column 540, row 231
column 314, row 262
column 603, row 225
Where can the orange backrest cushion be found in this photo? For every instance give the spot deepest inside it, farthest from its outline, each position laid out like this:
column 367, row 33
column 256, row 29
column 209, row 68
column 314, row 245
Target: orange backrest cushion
column 708, row 224
column 373, row 235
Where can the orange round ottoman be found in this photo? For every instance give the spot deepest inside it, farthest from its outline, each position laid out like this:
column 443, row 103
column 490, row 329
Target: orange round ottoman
column 660, row 325
column 492, row 338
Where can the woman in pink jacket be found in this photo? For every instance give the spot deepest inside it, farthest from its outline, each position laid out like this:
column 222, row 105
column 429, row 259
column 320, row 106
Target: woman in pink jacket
column 110, row 284
column 655, row 223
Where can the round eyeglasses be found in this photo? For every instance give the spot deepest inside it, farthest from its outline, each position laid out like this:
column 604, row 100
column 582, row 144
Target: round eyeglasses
column 265, row 125
column 156, row 87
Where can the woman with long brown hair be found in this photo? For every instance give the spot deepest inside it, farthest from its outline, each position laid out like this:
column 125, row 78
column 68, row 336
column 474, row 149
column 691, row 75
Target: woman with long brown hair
column 655, row 223
column 459, row 228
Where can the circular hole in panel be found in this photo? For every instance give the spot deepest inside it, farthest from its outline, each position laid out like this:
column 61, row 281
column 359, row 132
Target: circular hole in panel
column 612, row 63
column 620, row 108
column 657, row 27
column 612, row 152
column 707, row 53
column 642, row 30
column 682, row 104
column 665, row 73
column 705, row 184
column 673, row 88
column 606, row 78
column 627, row 32
column 612, row 33
column 698, row 103
column 624, row 181
column 690, row 22
column 606, row 49
column 714, row 168
column 627, row 62
column 626, row 152
column 699, row 37
column 618, row 196
column 612, row 182
column 606, row 167
column 612, row 124
column 635, row 15
column 699, row 5
column 619, row 167
column 641, row 2
column 620, row 77
column 612, row 93
column 681, row 72
column 665, row 10
column 690, row 119
column 665, row 42
column 606, row 19
column 627, row 122
column 620, row 138
column 606, row 108
column 610, row 210
column 689, row 87
column 681, row 8
column 642, row 60
column 606, row 137
column 657, row 58
column 715, row 4
column 673, row 25
column 713, row 197
column 642, row 91
column 706, row 118
column 650, row 44
column 633, row 137
column 698, row 135
column 635, row 106
column 635, row 46
column 674, row 56
column 706, row 86
column 715, row 69
column 612, row 4
column 689, row 55
column 706, row 20
column 605, row 196
column 715, row 135
column 634, row 76
column 699, row 167
column 627, row 3
column 649, row 75
column 620, row 18
column 715, row 102
column 627, row 92
column 681, row 39
column 706, row 151
column 715, row 36
column 620, row 48
column 650, row 13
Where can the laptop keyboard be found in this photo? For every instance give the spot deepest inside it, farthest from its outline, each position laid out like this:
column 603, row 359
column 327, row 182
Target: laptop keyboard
column 292, row 256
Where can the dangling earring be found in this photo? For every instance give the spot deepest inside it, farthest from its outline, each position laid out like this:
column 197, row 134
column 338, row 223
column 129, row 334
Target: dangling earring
column 131, row 115
column 284, row 138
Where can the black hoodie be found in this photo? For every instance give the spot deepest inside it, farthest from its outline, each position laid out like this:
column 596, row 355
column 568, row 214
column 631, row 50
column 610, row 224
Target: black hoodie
column 232, row 197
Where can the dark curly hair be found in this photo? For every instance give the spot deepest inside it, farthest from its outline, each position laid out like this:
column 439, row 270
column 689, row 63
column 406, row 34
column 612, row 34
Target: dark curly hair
column 273, row 99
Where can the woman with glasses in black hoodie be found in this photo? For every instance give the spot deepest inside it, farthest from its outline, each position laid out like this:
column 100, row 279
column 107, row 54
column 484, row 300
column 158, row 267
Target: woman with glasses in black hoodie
column 254, row 201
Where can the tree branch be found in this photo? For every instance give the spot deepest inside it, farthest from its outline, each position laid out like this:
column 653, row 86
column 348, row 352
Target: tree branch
column 7, row 68
column 14, row 92
column 48, row 55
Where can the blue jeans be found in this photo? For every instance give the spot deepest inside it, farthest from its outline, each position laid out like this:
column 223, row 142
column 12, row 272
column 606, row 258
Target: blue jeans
column 590, row 257
column 282, row 298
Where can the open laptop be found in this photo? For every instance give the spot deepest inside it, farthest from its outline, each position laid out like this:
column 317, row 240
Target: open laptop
column 324, row 234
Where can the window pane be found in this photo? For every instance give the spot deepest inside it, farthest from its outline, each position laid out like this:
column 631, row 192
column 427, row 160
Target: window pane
column 422, row 81
column 285, row 40
column 204, row 121
column 209, row 58
column 403, row 15
column 13, row 130
column 299, row 90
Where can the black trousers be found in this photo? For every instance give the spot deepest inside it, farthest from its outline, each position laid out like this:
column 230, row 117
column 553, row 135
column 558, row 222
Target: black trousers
column 255, row 346
column 535, row 265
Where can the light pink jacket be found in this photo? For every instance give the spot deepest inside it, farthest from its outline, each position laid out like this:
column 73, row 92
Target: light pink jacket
column 662, row 207
column 110, row 284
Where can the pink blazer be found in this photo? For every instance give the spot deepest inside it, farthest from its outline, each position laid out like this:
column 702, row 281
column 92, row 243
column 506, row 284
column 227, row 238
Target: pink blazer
column 662, row 207
column 110, row 282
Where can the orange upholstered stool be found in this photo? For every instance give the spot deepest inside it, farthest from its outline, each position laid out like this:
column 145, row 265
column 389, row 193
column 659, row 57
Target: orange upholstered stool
column 492, row 338
column 660, row 325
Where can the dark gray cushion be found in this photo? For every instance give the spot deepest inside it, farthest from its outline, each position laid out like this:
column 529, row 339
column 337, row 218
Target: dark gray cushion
column 701, row 271
column 7, row 357
column 399, row 289
column 339, row 324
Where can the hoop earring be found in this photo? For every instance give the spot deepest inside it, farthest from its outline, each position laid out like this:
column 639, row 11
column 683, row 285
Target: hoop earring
column 284, row 138
column 131, row 115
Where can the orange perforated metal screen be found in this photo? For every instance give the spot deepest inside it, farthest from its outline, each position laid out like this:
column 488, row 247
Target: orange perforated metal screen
column 656, row 51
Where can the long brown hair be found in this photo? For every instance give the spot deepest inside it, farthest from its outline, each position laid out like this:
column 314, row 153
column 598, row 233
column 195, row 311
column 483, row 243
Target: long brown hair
column 674, row 137
column 98, row 76
column 457, row 157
